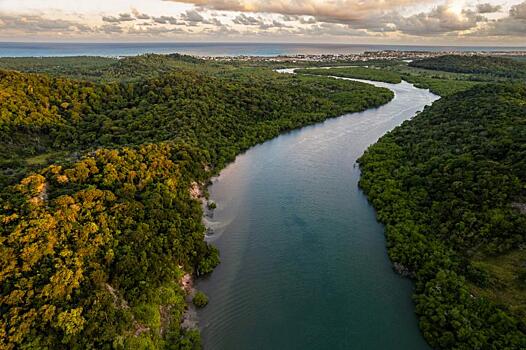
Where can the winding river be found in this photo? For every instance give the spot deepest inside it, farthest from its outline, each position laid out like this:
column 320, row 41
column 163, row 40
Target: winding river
column 304, row 263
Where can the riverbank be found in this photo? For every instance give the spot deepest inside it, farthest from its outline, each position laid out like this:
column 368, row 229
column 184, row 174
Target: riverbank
column 299, row 243
column 127, row 138
column 199, row 192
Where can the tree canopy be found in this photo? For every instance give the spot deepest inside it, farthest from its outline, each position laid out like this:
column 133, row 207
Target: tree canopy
column 98, row 220
column 476, row 64
column 447, row 184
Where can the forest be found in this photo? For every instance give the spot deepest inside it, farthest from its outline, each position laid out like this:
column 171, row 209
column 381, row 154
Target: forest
column 490, row 66
column 439, row 82
column 98, row 222
column 374, row 74
column 98, row 156
column 450, row 187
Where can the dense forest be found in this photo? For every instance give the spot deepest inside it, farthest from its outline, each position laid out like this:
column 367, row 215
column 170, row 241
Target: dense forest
column 98, row 220
column 374, row 74
column 499, row 67
column 99, row 225
column 450, row 186
column 440, row 83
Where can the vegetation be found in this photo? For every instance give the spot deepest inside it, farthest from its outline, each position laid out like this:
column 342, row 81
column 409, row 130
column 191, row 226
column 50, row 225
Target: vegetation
column 82, row 66
column 487, row 65
column 98, row 220
column 450, row 185
column 441, row 83
column 374, row 74
column 104, row 68
column 200, row 299
column 439, row 86
column 223, row 114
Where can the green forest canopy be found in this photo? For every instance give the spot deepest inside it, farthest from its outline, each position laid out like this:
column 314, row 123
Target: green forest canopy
column 98, row 223
column 450, row 185
column 99, row 156
column 475, row 64
column 374, row 74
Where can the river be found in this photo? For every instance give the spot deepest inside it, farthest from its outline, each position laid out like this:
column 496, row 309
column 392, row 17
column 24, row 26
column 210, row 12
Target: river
column 303, row 258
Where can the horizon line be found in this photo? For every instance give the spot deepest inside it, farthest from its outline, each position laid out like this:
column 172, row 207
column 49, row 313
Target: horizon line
column 252, row 43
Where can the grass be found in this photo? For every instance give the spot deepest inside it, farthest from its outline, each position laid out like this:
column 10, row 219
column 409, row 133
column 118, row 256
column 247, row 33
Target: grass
column 44, row 158
column 507, row 281
column 40, row 159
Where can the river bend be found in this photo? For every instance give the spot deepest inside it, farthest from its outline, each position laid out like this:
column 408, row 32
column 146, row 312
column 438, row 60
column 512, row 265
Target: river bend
column 304, row 262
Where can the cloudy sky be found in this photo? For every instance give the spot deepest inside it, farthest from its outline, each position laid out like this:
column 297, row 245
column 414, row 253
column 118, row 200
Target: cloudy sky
column 476, row 22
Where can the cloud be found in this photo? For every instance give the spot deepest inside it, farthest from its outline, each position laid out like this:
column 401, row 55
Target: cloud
column 439, row 20
column 287, row 18
column 243, row 19
column 330, row 29
column 140, row 15
column 247, row 20
column 38, row 24
column 193, row 18
column 111, row 28
column 221, row 31
column 512, row 25
column 488, row 8
column 518, row 11
column 394, row 20
column 341, row 11
column 123, row 17
column 307, row 20
column 274, row 24
column 154, row 31
column 165, row 20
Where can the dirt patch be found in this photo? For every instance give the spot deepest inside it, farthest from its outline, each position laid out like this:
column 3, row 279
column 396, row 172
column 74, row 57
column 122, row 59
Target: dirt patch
column 195, row 191
column 189, row 320
column 118, row 302
column 520, row 206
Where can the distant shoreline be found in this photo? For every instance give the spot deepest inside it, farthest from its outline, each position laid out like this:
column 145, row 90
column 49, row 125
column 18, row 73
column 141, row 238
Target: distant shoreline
column 234, row 49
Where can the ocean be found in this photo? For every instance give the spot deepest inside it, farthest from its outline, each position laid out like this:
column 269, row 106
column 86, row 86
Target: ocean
column 11, row 49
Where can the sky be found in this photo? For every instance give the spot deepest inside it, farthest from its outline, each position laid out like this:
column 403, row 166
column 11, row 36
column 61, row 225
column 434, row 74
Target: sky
column 433, row 22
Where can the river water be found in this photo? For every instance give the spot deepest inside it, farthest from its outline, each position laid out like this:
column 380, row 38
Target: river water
column 303, row 258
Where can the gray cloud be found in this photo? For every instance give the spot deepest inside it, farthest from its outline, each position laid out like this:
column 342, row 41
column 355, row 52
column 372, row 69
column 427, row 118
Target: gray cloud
column 514, row 24
column 438, row 21
column 243, row 19
column 155, row 31
column 165, row 20
column 488, row 8
column 37, row 24
column 193, row 18
column 123, row 17
column 140, row 15
column 247, row 20
column 293, row 17
column 341, row 11
column 273, row 24
column 111, row 28
column 222, row 30
column 287, row 18
column 307, row 20
column 331, row 29
column 518, row 11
